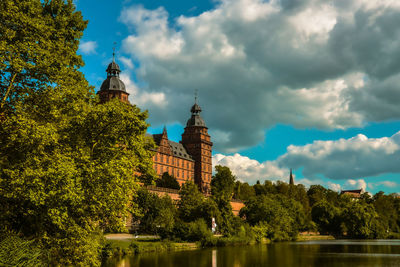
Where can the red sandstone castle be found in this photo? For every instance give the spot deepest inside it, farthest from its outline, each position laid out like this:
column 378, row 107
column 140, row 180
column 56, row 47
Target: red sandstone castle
column 188, row 160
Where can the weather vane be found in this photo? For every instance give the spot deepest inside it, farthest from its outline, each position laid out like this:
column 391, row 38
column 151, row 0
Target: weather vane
column 195, row 95
column 114, row 45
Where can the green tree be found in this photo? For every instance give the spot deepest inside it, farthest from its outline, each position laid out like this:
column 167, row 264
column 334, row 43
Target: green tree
column 67, row 163
column 193, row 205
column 243, row 191
column 327, row 217
column 222, row 186
column 362, row 221
column 272, row 216
column 168, row 181
column 38, row 47
column 156, row 214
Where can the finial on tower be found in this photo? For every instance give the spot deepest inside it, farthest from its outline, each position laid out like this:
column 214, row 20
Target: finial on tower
column 164, row 132
column 114, row 46
column 195, row 95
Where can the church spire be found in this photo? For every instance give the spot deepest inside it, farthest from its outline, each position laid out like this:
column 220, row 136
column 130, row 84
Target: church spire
column 164, row 132
column 291, row 180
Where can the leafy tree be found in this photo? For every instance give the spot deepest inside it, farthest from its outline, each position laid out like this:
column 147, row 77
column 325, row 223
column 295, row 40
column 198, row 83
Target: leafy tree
column 193, row 205
column 156, row 214
column 168, row 181
column 222, row 186
column 316, row 193
column 37, row 48
column 191, row 202
column 327, row 217
column 271, row 217
column 362, row 221
column 67, row 164
column 243, row 191
column 386, row 209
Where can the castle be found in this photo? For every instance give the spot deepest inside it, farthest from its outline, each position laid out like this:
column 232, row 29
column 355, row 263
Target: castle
column 188, row 160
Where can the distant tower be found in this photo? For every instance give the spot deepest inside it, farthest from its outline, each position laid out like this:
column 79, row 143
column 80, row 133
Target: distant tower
column 113, row 87
column 197, row 142
column 291, row 180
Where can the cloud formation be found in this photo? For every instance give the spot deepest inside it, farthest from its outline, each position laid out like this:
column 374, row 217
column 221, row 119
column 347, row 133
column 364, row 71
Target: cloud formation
column 88, row 47
column 356, row 157
column 346, row 162
column 310, row 63
column 250, row 170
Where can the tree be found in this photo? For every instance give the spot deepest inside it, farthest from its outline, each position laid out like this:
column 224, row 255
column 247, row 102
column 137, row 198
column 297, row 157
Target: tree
column 222, row 186
column 316, row 193
column 272, row 216
column 190, row 203
column 156, row 214
column 362, row 221
column 37, row 48
column 243, row 191
column 327, row 217
column 193, row 205
column 168, row 181
column 67, row 163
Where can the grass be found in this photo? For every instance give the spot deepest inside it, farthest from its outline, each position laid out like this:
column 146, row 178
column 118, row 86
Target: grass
column 130, row 247
column 314, row 237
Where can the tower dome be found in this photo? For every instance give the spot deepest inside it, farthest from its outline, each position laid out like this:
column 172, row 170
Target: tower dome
column 113, row 87
column 195, row 119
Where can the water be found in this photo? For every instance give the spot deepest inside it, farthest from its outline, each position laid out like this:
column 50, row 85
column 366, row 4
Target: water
column 351, row 253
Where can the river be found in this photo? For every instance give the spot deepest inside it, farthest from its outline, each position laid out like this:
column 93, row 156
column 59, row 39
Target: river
column 351, row 253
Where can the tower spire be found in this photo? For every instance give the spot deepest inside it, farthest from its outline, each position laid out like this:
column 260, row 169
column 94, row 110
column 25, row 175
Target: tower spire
column 164, row 132
column 114, row 45
column 291, row 180
column 195, row 95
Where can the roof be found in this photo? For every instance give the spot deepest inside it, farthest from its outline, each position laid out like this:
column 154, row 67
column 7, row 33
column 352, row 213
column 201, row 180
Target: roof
column 112, row 83
column 178, row 150
column 113, row 66
column 196, row 120
column 357, row 191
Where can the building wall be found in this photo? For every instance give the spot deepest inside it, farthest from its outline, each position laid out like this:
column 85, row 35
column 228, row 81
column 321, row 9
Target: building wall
column 181, row 169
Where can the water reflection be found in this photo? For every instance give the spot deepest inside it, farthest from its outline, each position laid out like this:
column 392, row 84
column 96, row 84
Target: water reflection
column 354, row 253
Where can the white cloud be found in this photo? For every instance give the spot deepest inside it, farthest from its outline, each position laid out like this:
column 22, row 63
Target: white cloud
column 389, row 184
column 250, row 170
column 356, row 157
column 349, row 160
column 88, row 47
column 334, row 187
column 127, row 62
column 309, row 63
column 139, row 97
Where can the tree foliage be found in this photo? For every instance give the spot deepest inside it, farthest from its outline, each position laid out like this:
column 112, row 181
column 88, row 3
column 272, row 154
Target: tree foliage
column 67, row 163
column 168, row 181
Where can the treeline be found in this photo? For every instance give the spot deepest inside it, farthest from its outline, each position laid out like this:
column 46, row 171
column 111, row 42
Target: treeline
column 327, row 211
column 275, row 211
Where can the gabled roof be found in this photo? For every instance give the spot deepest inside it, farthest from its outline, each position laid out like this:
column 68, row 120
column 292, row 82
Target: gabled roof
column 357, row 191
column 178, row 150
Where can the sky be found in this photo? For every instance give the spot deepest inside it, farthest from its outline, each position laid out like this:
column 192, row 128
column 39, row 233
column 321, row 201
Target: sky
column 312, row 85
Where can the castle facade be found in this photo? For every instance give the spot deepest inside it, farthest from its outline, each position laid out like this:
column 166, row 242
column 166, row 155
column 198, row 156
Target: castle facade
column 188, row 160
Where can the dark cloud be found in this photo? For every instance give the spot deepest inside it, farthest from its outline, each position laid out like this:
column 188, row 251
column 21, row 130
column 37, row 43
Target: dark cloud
column 307, row 63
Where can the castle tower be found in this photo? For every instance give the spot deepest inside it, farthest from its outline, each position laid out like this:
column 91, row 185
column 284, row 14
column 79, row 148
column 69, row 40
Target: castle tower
column 197, row 142
column 291, row 179
column 113, row 87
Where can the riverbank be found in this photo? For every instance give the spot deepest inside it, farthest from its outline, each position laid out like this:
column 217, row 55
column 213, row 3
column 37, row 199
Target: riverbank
column 301, row 238
column 127, row 244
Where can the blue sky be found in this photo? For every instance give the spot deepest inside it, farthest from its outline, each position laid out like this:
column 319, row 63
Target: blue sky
column 311, row 85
